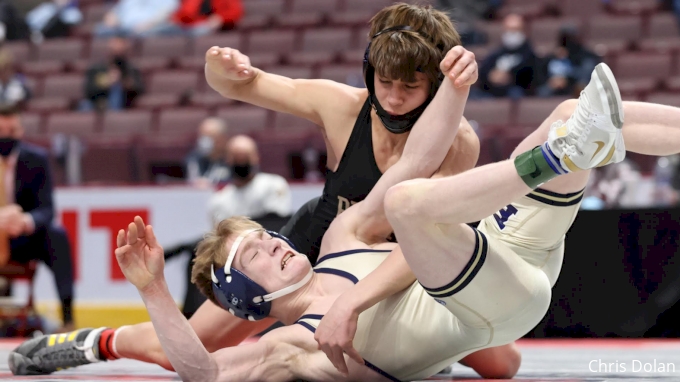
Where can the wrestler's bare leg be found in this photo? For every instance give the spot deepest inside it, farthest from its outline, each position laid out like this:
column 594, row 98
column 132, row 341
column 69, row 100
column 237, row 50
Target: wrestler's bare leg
column 484, row 284
column 216, row 328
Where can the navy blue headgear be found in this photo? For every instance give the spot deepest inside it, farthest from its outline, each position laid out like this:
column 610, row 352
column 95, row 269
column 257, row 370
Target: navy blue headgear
column 241, row 296
column 396, row 124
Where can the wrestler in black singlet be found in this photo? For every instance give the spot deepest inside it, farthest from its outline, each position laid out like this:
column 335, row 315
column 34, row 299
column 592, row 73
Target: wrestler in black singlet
column 356, row 175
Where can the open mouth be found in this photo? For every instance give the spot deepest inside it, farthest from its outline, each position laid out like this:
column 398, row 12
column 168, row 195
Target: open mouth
column 285, row 259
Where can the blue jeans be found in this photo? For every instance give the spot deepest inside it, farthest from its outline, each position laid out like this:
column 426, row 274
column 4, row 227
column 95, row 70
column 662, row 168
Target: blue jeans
column 115, row 100
column 164, row 29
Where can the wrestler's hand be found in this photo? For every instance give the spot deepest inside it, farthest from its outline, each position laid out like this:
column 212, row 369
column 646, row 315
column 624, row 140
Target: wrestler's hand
column 139, row 255
column 460, row 66
column 336, row 332
column 228, row 63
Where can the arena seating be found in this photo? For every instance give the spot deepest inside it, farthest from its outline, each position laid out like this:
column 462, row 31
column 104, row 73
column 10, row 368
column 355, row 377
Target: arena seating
column 310, row 39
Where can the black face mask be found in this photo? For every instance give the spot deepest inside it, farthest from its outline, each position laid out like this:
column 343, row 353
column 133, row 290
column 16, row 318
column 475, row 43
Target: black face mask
column 241, row 171
column 120, row 62
column 7, row 145
column 398, row 124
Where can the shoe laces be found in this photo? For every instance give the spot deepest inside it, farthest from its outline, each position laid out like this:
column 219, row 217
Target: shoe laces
column 565, row 146
column 579, row 127
column 66, row 357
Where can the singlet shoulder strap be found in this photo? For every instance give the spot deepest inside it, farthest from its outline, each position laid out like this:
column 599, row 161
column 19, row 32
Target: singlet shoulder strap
column 361, row 132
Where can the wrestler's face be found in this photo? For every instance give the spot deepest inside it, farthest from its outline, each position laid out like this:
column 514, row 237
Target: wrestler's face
column 269, row 261
column 398, row 97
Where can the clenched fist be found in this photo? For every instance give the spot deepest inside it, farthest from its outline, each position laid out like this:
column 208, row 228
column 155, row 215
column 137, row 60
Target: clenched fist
column 460, row 66
column 229, row 63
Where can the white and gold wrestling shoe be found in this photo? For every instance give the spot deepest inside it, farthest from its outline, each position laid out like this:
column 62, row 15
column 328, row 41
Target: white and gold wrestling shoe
column 592, row 136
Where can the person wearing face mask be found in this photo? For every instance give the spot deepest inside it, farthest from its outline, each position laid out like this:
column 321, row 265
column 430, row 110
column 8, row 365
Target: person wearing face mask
column 53, row 19
column 252, row 193
column 204, row 166
column 249, row 192
column 114, row 84
column 27, row 210
column 136, row 18
column 509, row 70
column 13, row 88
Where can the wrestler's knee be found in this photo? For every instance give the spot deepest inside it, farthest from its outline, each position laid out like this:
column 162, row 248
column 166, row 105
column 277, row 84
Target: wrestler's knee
column 562, row 112
column 403, row 200
column 505, row 365
column 165, row 364
column 565, row 109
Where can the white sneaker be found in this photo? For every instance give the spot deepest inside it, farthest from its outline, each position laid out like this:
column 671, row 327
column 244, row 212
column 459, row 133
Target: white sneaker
column 592, row 136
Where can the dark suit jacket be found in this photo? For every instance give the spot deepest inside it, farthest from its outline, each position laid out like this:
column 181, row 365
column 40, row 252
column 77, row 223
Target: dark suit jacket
column 33, row 185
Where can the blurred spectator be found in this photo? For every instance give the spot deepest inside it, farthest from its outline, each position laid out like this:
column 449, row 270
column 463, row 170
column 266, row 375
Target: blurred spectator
column 665, row 195
column 615, row 186
column 204, row 166
column 249, row 192
column 263, row 197
column 27, row 209
column 667, row 5
column 676, row 9
column 114, row 84
column 13, row 88
column 559, row 72
column 137, row 18
column 464, row 14
column 12, row 24
column 53, row 19
column 202, row 17
column 509, row 70
column 567, row 71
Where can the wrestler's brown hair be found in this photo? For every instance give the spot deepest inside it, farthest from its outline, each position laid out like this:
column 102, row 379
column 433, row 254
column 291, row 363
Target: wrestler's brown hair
column 212, row 251
column 397, row 55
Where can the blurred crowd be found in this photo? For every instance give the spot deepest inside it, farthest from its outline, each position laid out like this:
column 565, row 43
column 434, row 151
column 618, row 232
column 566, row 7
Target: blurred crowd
column 228, row 162
column 515, row 68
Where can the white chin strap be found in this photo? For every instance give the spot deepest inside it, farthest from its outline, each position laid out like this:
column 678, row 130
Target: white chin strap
column 268, row 297
column 287, row 290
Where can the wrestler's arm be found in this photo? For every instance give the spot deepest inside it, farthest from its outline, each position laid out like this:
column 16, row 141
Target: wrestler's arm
column 281, row 355
column 316, row 100
column 264, row 360
column 142, row 261
column 463, row 154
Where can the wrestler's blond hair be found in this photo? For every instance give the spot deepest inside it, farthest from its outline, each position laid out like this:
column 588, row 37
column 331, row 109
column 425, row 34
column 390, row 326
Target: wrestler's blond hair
column 212, row 251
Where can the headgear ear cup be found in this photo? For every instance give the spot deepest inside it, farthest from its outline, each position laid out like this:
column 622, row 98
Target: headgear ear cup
column 242, row 296
column 368, row 71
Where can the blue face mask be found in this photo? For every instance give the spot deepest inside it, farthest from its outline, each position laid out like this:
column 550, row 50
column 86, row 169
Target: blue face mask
column 205, row 145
